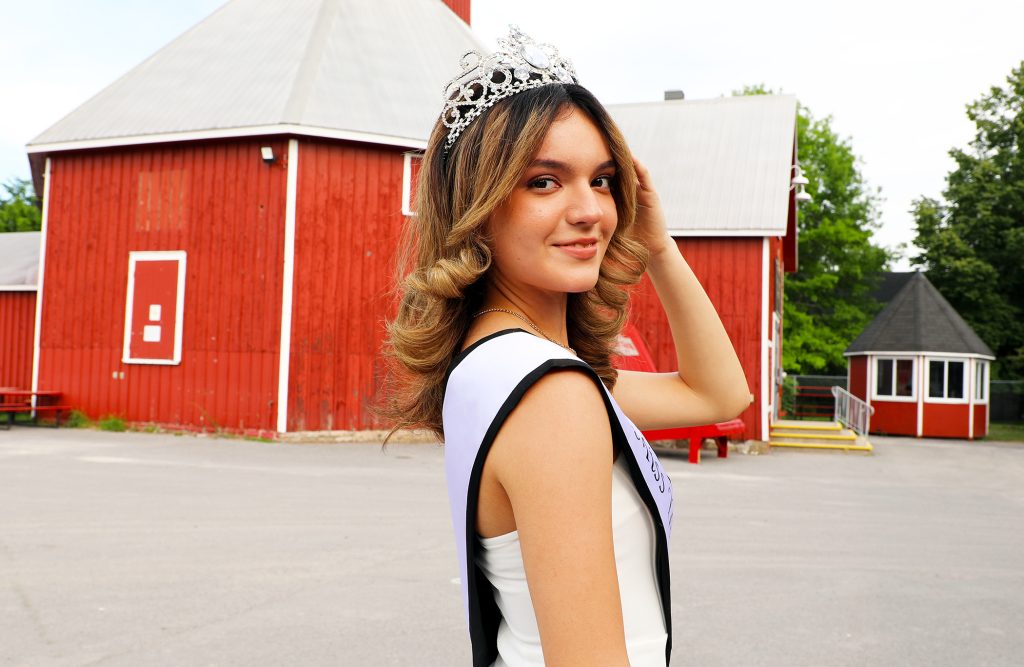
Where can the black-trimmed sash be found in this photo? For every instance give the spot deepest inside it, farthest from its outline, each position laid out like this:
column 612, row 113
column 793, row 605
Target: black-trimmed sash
column 485, row 383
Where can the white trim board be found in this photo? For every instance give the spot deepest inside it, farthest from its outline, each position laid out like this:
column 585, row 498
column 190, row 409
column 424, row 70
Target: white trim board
column 47, row 177
column 760, row 232
column 765, row 342
column 287, row 286
column 407, row 192
column 229, row 133
column 926, row 353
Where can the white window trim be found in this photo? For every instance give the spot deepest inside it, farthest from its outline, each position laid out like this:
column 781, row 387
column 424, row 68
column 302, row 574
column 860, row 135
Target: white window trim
column 928, row 381
column 875, row 396
column 150, row 255
column 407, row 192
column 984, row 384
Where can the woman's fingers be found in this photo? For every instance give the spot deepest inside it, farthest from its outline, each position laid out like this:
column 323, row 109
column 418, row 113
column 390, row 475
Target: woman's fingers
column 643, row 176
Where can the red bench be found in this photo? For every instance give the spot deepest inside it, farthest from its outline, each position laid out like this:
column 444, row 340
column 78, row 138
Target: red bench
column 632, row 354
column 696, row 434
column 14, row 401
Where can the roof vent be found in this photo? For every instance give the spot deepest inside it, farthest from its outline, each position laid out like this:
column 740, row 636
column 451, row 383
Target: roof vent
column 674, row 95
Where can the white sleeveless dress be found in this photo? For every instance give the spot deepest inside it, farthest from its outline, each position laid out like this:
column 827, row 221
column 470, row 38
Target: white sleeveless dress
column 634, row 539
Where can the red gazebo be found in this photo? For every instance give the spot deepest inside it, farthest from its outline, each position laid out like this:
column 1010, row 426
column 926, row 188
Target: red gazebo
column 921, row 366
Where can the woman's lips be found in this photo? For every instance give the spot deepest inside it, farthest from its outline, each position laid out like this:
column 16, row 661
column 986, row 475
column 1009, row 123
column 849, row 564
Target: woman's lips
column 584, row 250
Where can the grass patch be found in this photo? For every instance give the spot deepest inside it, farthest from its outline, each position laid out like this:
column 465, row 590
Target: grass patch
column 77, row 419
column 1005, row 431
column 111, row 423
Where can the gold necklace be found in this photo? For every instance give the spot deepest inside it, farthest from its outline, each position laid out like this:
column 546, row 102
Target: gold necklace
column 528, row 321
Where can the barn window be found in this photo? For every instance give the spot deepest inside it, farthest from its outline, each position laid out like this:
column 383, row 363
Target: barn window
column 410, row 178
column 162, row 200
column 894, row 378
column 946, row 379
column 980, row 381
column 153, row 309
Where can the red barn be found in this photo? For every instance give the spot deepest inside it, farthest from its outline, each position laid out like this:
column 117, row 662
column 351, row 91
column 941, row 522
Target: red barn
column 921, row 366
column 219, row 224
column 724, row 169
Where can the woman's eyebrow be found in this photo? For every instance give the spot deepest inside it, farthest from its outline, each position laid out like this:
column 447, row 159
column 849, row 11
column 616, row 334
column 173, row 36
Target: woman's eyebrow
column 562, row 166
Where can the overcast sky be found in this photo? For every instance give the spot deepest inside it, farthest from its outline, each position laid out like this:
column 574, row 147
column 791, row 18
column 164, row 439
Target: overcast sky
column 895, row 75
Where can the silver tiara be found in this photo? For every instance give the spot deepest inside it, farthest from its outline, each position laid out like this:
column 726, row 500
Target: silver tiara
column 519, row 64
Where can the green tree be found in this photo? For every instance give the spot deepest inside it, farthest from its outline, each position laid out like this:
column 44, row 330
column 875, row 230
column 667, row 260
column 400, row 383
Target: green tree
column 972, row 240
column 19, row 207
column 828, row 299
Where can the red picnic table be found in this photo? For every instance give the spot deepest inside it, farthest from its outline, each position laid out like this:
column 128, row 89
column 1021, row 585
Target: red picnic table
column 14, row 400
column 633, row 354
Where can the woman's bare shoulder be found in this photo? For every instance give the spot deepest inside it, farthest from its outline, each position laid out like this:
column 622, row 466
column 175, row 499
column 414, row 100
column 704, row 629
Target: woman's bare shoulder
column 560, row 418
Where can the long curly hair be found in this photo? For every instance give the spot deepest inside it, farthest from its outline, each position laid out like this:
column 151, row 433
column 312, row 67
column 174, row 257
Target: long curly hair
column 444, row 257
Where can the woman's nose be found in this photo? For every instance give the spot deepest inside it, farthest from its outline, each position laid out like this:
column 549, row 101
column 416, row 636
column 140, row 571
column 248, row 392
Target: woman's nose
column 585, row 207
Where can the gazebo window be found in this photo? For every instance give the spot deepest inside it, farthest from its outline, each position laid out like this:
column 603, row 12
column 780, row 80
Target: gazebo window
column 946, row 379
column 894, row 377
column 980, row 384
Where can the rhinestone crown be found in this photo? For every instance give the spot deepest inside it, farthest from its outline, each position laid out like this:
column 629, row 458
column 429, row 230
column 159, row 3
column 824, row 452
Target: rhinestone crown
column 519, row 64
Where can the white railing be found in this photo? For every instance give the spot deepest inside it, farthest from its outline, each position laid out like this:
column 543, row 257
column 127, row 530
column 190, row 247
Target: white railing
column 852, row 411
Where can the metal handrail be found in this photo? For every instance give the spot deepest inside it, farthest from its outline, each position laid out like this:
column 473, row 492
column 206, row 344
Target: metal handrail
column 852, row 411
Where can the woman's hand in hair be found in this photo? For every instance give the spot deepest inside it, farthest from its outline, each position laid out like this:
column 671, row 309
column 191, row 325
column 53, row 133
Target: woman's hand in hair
column 651, row 228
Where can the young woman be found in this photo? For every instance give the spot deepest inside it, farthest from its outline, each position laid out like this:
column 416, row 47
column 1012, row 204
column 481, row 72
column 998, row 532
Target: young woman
column 532, row 218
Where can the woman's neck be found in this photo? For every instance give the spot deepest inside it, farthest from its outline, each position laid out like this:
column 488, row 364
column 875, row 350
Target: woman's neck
column 547, row 312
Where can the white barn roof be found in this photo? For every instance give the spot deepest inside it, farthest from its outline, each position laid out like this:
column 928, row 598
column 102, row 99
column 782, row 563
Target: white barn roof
column 350, row 69
column 19, row 261
column 722, row 166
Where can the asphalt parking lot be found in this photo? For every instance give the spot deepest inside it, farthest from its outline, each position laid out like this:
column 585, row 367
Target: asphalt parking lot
column 142, row 549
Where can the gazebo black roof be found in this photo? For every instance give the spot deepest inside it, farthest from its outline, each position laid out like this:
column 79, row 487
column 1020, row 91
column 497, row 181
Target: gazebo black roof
column 918, row 319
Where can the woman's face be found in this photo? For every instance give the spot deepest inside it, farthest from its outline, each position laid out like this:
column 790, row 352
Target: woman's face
column 551, row 234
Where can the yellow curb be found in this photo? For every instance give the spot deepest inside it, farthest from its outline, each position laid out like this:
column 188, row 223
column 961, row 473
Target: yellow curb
column 810, row 426
column 807, row 445
column 822, row 436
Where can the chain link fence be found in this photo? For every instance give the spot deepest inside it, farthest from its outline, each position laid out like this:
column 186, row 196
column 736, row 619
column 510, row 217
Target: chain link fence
column 1006, row 400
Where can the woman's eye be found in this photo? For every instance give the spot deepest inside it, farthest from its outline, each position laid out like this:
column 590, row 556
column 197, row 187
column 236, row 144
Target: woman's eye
column 604, row 181
column 543, row 183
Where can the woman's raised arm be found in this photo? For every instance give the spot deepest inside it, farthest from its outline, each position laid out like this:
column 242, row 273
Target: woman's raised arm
column 710, row 385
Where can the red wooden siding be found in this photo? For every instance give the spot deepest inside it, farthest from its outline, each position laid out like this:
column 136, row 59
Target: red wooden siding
column 858, row 377
column 980, row 420
column 17, row 327
column 460, row 7
column 349, row 217
column 222, row 205
column 730, row 271
column 945, row 420
column 894, row 418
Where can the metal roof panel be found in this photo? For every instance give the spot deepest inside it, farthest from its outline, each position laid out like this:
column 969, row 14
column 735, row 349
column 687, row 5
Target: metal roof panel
column 375, row 68
column 721, row 165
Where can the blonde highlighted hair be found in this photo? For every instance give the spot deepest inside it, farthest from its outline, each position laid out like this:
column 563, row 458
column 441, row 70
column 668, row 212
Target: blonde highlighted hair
column 445, row 255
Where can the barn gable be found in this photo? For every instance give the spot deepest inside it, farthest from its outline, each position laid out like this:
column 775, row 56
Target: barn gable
column 331, row 68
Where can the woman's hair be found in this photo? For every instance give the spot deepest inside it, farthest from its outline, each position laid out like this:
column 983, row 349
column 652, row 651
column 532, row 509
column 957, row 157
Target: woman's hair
column 445, row 255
